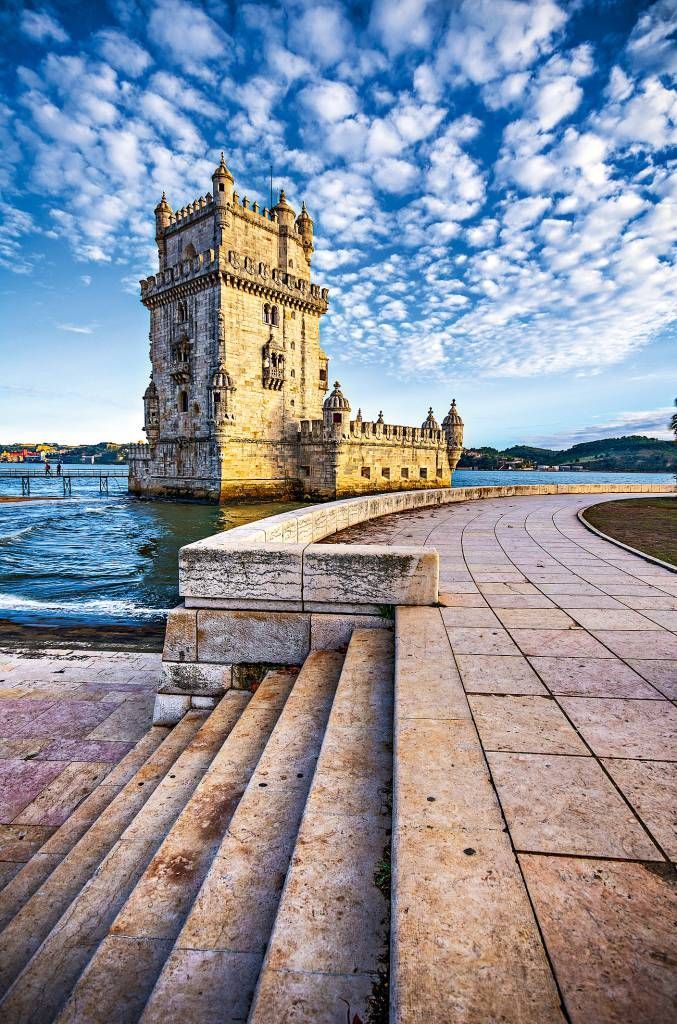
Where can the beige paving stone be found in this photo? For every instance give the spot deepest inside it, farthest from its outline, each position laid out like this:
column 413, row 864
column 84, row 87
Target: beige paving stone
column 560, row 643
column 469, row 617
column 128, row 722
column 205, row 986
column 600, row 600
column 480, row 640
column 520, row 601
column 487, row 673
column 651, row 788
column 523, row 723
column 535, row 618
column 424, row 654
column 451, row 600
column 652, row 602
column 625, row 728
column 461, row 912
column 609, row 931
column 20, row 842
column 593, row 677
column 566, row 805
column 60, row 798
column 509, row 588
column 667, row 619
column 610, row 618
column 661, row 674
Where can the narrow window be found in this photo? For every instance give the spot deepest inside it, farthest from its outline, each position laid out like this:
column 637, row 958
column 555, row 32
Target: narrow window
column 293, row 373
column 323, row 374
column 338, row 418
column 385, row 472
column 222, row 187
column 423, row 473
column 366, row 472
column 404, row 473
column 183, row 401
column 305, row 470
column 439, row 472
column 266, row 314
column 274, row 317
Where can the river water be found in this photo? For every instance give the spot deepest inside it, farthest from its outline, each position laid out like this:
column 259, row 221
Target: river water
column 98, row 561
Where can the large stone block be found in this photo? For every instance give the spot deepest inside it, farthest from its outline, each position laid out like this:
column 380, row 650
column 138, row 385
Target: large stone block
column 270, row 572
column 374, row 575
column 333, row 632
column 241, row 637
column 181, row 635
column 169, row 709
column 194, row 679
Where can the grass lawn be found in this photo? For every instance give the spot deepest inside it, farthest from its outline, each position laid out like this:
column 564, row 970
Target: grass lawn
column 648, row 524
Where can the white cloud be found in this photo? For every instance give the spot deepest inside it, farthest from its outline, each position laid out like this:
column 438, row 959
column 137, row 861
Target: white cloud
column 647, row 423
column 651, row 44
column 487, row 38
column 86, row 280
column 188, row 34
column 402, row 24
column 42, row 27
column 322, row 32
column 329, row 101
column 123, row 53
column 75, row 329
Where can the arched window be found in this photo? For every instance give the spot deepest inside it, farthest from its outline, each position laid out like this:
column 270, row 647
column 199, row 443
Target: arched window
column 266, row 314
column 189, row 252
column 293, row 346
column 291, row 263
column 274, row 317
column 183, row 401
column 182, row 312
column 293, row 373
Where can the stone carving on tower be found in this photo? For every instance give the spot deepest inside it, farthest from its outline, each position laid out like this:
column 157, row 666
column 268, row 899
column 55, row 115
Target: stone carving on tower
column 235, row 317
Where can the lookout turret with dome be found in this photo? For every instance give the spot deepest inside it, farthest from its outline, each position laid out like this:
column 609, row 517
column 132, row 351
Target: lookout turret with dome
column 236, row 405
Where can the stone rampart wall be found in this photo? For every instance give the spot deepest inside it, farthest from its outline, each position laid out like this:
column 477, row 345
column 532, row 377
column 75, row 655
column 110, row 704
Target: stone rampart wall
column 269, row 592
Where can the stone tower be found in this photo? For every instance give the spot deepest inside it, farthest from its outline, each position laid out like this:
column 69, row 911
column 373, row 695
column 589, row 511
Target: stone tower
column 236, row 403
column 234, row 347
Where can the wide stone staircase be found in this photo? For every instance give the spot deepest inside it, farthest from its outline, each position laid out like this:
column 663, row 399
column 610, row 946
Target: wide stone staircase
column 227, row 869
column 237, row 868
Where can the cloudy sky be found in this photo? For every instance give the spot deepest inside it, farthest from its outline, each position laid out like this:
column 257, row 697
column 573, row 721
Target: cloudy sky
column 489, row 179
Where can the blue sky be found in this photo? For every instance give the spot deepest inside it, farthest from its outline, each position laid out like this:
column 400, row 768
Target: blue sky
column 489, row 179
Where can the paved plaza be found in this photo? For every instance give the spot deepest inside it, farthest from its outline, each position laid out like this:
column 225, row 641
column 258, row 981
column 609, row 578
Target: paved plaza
column 566, row 646
column 67, row 717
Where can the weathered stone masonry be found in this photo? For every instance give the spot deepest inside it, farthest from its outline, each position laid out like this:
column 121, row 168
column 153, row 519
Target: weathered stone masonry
column 235, row 404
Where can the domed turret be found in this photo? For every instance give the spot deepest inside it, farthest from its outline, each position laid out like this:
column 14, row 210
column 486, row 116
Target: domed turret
column 336, row 409
column 223, row 184
column 151, row 413
column 285, row 213
column 452, row 425
column 220, row 390
column 304, row 226
column 430, row 423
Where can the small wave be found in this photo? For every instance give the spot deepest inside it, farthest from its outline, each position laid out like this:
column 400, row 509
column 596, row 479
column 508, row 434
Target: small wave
column 105, row 607
column 9, row 538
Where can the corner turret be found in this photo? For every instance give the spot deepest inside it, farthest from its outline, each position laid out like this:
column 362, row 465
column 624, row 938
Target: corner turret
column 284, row 212
column 452, row 425
column 304, row 226
column 336, row 411
column 223, row 184
column 163, row 218
column 430, row 423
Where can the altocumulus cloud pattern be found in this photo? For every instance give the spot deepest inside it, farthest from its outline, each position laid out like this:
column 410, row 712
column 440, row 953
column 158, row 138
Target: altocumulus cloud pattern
column 489, row 178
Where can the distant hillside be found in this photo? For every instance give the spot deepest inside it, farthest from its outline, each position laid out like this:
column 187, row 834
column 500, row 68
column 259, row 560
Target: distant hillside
column 632, row 454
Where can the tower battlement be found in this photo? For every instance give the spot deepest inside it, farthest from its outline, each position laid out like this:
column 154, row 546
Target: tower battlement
column 235, row 406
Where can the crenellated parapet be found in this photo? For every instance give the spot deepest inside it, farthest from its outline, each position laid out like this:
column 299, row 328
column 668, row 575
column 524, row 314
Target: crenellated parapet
column 372, row 432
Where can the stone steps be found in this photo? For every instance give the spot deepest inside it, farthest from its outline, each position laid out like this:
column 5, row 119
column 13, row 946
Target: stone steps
column 55, row 934
column 120, row 976
column 465, row 946
column 328, row 952
column 211, row 972
column 51, row 853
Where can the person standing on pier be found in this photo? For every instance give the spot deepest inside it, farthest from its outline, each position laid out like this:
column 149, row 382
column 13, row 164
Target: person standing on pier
column 58, row 469
column 48, row 469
